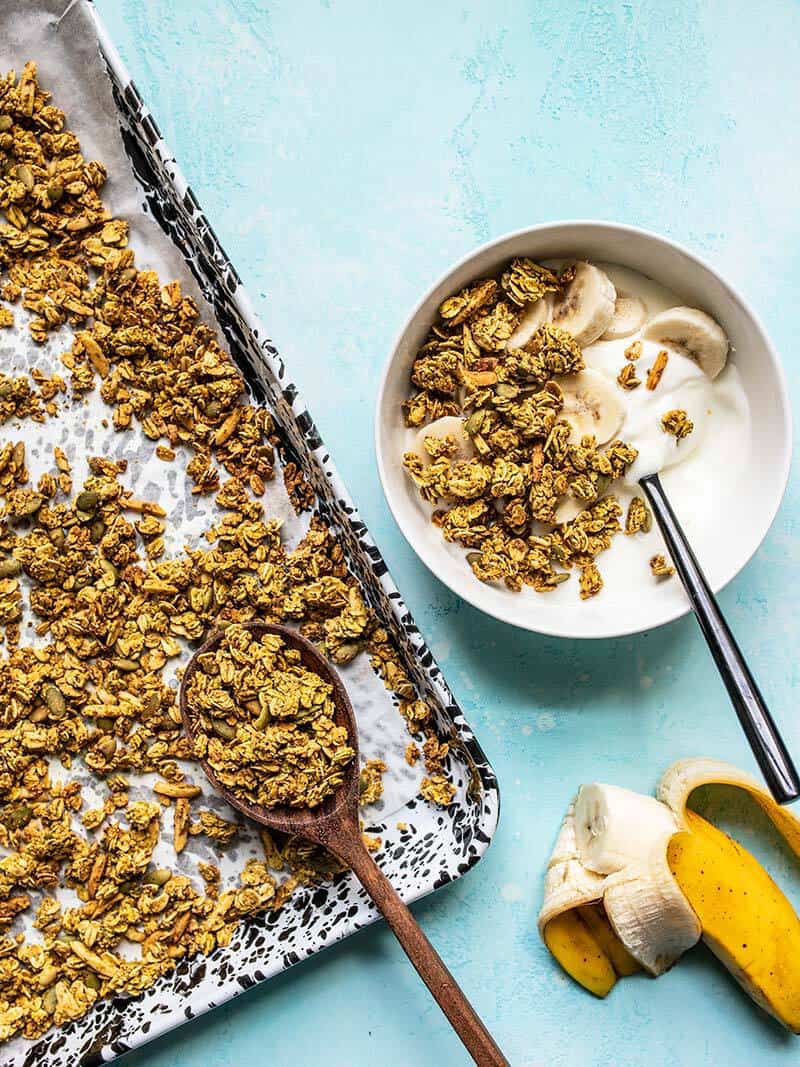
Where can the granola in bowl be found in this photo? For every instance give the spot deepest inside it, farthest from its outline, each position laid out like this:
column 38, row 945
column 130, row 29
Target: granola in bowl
column 538, row 398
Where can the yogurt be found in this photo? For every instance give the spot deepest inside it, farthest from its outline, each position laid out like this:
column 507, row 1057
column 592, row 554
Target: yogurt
column 683, row 385
column 698, row 472
column 718, row 409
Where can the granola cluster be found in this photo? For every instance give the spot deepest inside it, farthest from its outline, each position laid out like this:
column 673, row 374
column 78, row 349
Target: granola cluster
column 502, row 501
column 659, row 567
column 677, row 423
column 113, row 612
column 265, row 723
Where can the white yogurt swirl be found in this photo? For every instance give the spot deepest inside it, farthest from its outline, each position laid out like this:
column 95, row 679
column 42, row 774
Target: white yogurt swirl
column 683, row 385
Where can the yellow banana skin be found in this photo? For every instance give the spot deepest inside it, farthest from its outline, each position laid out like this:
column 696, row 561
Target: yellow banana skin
column 577, row 950
column 747, row 921
column 621, row 960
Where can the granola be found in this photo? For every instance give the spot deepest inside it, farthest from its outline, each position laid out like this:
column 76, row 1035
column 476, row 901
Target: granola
column 657, row 370
column 113, row 611
column 677, row 423
column 265, row 723
column 639, row 517
column 498, row 492
column 627, row 377
column 659, row 567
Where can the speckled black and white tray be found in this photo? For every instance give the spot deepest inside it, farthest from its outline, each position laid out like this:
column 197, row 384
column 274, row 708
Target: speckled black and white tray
column 438, row 845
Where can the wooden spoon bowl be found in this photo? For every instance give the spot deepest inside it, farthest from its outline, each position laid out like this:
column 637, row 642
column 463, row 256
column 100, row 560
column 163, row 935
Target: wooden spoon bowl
column 314, row 824
column 334, row 824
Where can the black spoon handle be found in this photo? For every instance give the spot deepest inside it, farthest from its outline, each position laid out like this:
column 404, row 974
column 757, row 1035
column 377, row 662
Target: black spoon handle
column 767, row 745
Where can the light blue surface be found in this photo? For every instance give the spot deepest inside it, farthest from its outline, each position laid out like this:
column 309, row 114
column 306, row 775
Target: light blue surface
column 347, row 152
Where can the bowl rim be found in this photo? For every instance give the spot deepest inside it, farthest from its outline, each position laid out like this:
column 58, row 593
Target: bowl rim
column 427, row 555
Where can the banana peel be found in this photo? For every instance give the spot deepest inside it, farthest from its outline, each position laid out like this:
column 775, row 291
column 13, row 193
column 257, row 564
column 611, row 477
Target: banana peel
column 580, row 953
column 635, row 882
column 595, row 918
column 747, row 921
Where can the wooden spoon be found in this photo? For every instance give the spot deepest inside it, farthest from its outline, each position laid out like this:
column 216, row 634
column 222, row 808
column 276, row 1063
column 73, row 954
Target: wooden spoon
column 334, row 825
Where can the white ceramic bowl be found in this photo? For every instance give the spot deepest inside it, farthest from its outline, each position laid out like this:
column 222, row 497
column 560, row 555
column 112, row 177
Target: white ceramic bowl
column 743, row 521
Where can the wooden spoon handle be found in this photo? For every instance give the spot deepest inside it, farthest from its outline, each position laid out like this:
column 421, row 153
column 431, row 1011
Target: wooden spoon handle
column 446, row 992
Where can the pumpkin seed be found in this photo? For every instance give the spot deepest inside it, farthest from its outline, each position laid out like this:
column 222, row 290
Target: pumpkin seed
column 160, row 876
column 25, row 175
column 475, row 421
column 507, row 390
column 108, row 568
column 108, row 746
column 87, row 501
column 16, row 816
column 122, row 663
column 223, row 729
column 31, row 505
column 54, row 699
column 151, row 702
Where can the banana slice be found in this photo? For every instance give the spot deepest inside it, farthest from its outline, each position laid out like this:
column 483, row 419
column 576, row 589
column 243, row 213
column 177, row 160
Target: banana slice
column 694, row 334
column 629, row 314
column 586, row 308
column 447, row 425
column 615, row 827
column 591, row 405
column 533, row 317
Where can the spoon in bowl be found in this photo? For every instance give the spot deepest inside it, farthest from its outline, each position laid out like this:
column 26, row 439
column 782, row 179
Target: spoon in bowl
column 766, row 742
column 334, row 825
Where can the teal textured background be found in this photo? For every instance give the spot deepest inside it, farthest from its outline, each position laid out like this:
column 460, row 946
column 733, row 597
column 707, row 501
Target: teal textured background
column 347, row 152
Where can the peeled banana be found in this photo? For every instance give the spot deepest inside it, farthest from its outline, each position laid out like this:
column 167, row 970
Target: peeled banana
column 640, row 879
column 612, row 848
